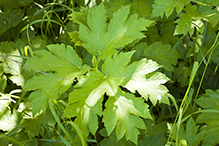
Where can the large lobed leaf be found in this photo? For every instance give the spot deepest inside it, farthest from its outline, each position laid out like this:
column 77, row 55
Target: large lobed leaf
column 88, row 97
column 122, row 111
column 101, row 39
column 62, row 67
column 148, row 83
column 85, row 101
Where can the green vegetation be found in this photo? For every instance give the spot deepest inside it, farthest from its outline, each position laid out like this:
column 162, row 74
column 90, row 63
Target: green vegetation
column 113, row 72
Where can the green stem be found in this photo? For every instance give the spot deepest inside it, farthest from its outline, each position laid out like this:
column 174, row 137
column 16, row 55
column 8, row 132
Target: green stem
column 11, row 140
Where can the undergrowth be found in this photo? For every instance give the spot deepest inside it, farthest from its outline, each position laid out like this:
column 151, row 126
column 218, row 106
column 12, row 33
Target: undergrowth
column 126, row 72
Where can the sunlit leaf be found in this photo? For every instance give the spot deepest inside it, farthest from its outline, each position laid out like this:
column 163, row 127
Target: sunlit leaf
column 101, row 39
column 161, row 7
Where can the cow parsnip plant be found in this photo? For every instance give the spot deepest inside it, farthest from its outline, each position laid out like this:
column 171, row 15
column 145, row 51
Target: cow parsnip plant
column 127, row 72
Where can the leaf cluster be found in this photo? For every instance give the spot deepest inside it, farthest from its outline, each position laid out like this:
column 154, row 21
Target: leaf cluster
column 127, row 72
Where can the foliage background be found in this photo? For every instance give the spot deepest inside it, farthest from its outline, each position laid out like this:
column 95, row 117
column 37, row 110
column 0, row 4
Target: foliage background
column 118, row 72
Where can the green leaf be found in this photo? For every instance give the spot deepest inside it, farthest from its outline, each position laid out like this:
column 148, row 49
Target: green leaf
column 8, row 48
column 101, row 39
column 157, row 140
column 146, row 81
column 3, row 80
column 47, row 87
column 11, row 64
column 191, row 134
column 211, row 79
column 206, row 2
column 207, row 41
column 34, row 125
column 163, row 31
column 75, row 38
column 193, row 18
column 115, row 68
column 65, row 64
column 161, row 7
column 112, row 140
column 114, row 5
column 81, row 17
column 208, row 14
column 123, row 111
column 85, row 102
column 209, row 101
column 8, row 121
column 155, row 134
column 9, row 19
column 182, row 74
column 186, row 21
column 159, row 53
column 143, row 8
column 38, row 44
